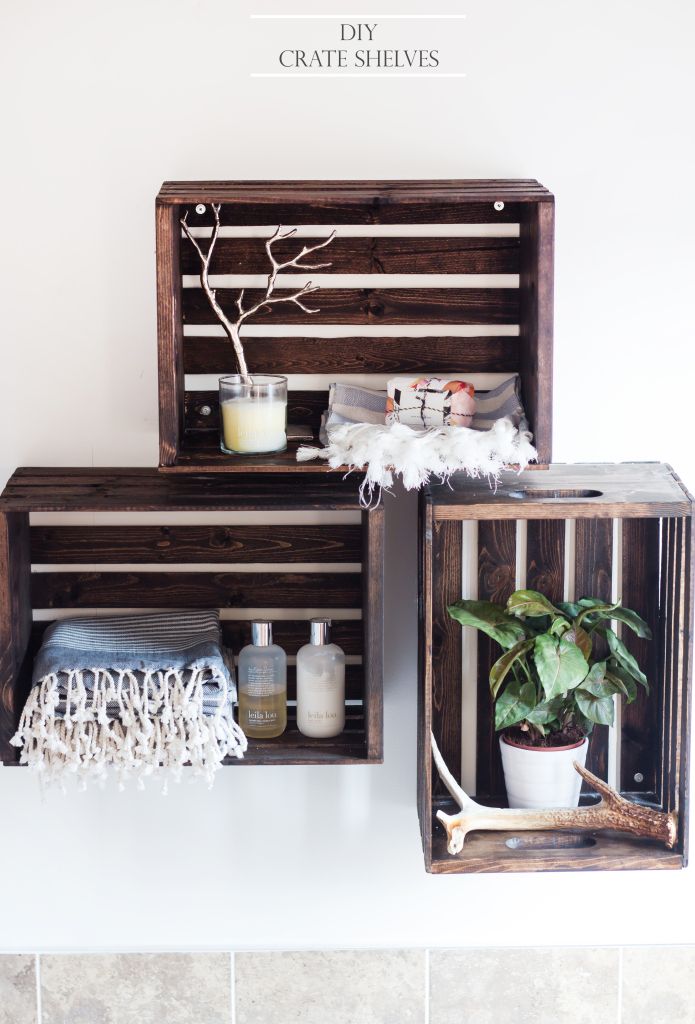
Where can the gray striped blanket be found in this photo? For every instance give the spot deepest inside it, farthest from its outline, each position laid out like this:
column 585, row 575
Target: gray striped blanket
column 142, row 693
column 350, row 403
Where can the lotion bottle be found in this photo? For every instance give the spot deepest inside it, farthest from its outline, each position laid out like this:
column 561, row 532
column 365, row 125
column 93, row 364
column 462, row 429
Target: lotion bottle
column 320, row 684
column 262, row 685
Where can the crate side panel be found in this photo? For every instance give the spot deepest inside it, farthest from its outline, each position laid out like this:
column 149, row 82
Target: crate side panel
column 639, row 721
column 169, row 335
column 685, row 687
column 424, row 703
column 446, row 645
column 15, row 622
column 536, row 323
column 373, row 623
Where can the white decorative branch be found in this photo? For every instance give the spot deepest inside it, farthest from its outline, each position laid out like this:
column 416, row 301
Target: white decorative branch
column 611, row 812
column 232, row 328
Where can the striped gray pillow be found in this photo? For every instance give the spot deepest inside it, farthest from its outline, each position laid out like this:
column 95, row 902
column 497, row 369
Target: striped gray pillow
column 349, row 403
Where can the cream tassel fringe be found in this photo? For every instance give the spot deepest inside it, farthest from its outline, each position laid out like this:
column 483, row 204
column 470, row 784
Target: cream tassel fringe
column 385, row 452
column 160, row 728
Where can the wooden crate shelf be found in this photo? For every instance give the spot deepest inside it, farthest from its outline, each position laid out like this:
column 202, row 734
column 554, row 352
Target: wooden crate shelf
column 515, row 313
column 600, row 530
column 57, row 567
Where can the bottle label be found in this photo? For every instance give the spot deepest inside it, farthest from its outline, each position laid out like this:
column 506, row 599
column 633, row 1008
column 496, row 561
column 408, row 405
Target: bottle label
column 260, row 681
column 261, row 716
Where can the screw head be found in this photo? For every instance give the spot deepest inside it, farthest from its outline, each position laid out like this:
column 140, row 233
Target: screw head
column 638, row 777
column 200, row 208
column 205, row 410
column 499, row 205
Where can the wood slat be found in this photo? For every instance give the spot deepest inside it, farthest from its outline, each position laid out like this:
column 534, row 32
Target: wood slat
column 195, row 590
column 149, row 490
column 639, row 743
column 673, row 668
column 536, row 322
column 356, row 355
column 169, row 335
column 152, row 544
column 446, row 646
column 302, row 407
column 370, row 306
column 424, row 695
column 273, row 208
column 593, row 578
column 545, row 557
column 15, row 624
column 605, row 490
column 405, row 255
column 405, row 190
column 373, row 625
column 665, row 694
column 664, row 653
column 201, row 453
column 685, row 688
column 496, row 582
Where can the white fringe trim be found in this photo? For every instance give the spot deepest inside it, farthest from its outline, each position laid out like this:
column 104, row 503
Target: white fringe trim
column 160, row 729
column 384, row 452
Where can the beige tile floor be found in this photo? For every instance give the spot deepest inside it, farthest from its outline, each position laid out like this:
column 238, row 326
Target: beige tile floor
column 599, row 985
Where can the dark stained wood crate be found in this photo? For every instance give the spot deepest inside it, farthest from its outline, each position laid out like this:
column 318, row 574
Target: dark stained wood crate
column 588, row 530
column 519, row 309
column 330, row 567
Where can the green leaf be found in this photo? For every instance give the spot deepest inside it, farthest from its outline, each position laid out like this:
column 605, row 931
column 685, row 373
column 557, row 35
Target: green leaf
column 559, row 626
column 545, row 713
column 580, row 637
column 560, row 664
column 593, row 607
column 623, row 682
column 597, row 683
column 624, row 658
column 634, row 621
column 530, row 602
column 490, row 619
column 499, row 671
column 568, row 608
column 597, row 709
column 514, row 704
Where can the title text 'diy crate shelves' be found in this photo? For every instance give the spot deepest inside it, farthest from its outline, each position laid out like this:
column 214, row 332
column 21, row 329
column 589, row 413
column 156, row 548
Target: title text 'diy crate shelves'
column 279, row 559
column 607, row 531
column 476, row 298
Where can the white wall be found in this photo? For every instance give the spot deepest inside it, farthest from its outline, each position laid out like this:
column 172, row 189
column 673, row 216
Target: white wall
column 106, row 101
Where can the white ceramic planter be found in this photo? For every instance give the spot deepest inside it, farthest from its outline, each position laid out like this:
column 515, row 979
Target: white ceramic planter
column 542, row 777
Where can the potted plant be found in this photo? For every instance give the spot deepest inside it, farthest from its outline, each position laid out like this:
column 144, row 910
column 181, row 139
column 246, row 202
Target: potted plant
column 561, row 668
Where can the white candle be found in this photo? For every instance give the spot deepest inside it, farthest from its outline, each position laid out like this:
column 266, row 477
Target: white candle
column 253, row 425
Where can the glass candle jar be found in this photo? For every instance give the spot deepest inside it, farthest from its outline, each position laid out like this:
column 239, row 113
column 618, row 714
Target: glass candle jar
column 253, row 414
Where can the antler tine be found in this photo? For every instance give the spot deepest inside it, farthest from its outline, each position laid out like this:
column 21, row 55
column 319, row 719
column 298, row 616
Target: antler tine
column 613, row 811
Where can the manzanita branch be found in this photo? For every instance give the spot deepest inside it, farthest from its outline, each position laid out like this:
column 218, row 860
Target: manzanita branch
column 233, row 328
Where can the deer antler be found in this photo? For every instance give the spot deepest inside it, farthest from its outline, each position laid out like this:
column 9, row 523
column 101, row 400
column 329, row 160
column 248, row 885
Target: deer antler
column 611, row 812
column 233, row 328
